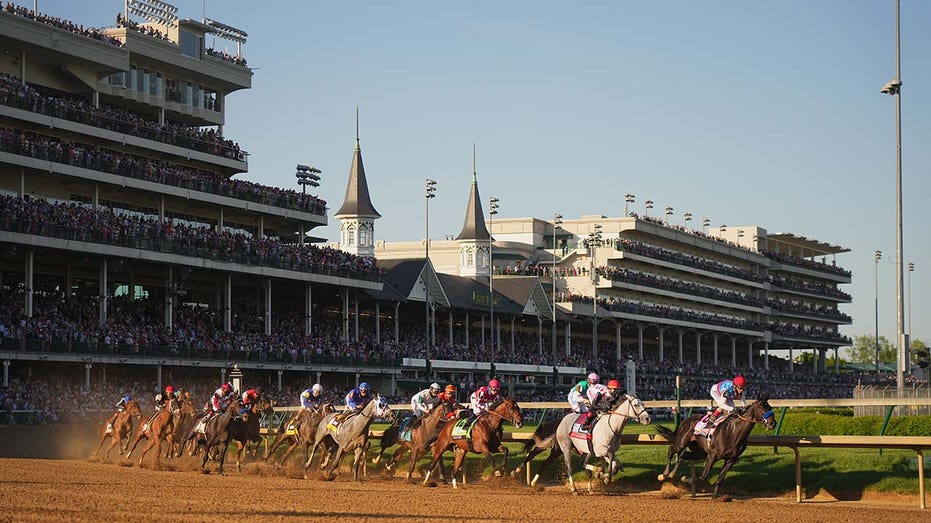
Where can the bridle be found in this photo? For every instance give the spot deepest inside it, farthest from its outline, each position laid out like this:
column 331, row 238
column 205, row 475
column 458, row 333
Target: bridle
column 630, row 400
column 766, row 415
column 502, row 416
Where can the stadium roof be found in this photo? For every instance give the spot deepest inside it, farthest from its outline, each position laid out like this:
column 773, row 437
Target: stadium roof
column 813, row 247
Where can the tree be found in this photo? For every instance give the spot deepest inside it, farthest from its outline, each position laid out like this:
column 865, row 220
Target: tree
column 863, row 350
column 921, row 357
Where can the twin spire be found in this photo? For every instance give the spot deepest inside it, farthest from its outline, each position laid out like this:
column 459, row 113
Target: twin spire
column 357, row 202
column 474, row 226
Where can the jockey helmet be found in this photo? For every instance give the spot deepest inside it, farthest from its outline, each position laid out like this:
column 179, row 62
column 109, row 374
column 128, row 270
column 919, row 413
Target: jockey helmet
column 451, row 389
column 435, row 387
column 593, row 377
column 614, row 384
column 317, row 388
column 169, row 389
column 127, row 398
column 740, row 382
column 494, row 384
column 226, row 387
column 364, row 386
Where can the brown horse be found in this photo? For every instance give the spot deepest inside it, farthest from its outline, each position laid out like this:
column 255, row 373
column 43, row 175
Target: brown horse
column 421, row 437
column 218, row 433
column 184, row 420
column 119, row 429
column 485, row 438
column 304, row 432
column 160, row 427
column 543, row 438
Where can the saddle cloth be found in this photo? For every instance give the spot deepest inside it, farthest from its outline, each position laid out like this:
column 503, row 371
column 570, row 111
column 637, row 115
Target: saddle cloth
column 463, row 428
column 336, row 421
column 579, row 430
column 404, row 428
column 702, row 428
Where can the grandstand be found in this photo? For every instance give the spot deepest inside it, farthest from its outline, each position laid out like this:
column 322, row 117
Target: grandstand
column 131, row 237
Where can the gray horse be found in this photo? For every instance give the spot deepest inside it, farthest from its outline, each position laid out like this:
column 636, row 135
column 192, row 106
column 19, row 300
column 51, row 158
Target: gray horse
column 352, row 434
column 606, row 433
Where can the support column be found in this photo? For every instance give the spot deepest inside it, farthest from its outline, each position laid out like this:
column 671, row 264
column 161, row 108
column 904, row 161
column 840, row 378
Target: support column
column 158, row 377
column 595, row 334
column 220, row 221
column 497, row 333
column 355, row 319
column 750, row 354
column 346, row 315
column 95, row 98
column 69, row 282
column 22, row 184
column 715, row 349
column 6, row 373
column 280, row 373
column 161, row 208
column 397, row 323
column 662, row 343
column 698, row 348
column 87, row 376
column 791, row 362
column 169, row 299
column 378, row 322
column 512, row 336
column 450, row 327
column 132, row 284
column 308, row 307
column 96, row 196
column 22, row 67
column 222, row 374
column 161, row 116
column 837, row 359
column 568, row 332
column 30, row 281
column 680, row 334
column 261, row 227
column 640, row 340
column 467, row 333
column 268, row 306
column 228, row 303
column 766, row 355
column 617, row 336
column 483, row 332
column 540, row 334
column 102, row 299
column 733, row 351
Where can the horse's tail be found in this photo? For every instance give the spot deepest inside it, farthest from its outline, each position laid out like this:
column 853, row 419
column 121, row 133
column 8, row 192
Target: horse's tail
column 666, row 433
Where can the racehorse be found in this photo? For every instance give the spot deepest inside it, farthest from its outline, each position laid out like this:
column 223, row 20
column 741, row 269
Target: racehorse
column 485, row 438
column 543, row 438
column 121, row 428
column 159, row 427
column 217, row 435
column 727, row 442
column 605, row 437
column 421, row 437
column 246, row 428
column 184, row 420
column 352, row 434
column 305, row 430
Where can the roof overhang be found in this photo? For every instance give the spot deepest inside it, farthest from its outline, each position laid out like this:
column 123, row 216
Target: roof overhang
column 817, row 248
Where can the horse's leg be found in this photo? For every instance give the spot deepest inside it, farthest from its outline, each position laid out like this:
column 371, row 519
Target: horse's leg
column 240, row 454
column 504, row 462
column 709, row 465
column 459, row 454
column 335, row 465
column 357, row 461
column 146, row 449
column 588, row 470
column 728, row 463
column 438, row 449
column 416, row 452
column 287, row 454
column 135, row 442
column 567, row 457
column 396, row 456
column 222, row 447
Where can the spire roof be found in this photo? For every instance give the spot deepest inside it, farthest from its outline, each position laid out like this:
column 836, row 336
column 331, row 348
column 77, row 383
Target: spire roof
column 357, row 201
column 474, row 226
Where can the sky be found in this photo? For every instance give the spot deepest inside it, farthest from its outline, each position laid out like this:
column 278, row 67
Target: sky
column 748, row 113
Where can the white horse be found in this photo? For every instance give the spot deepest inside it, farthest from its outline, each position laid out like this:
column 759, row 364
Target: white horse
column 352, row 434
column 606, row 432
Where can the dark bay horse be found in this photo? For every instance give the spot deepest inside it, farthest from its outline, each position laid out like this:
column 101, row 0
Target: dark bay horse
column 217, row 435
column 351, row 435
column 727, row 443
column 544, row 438
column 184, row 420
column 121, row 428
column 159, row 428
column 421, row 437
column 304, row 433
column 485, row 438
column 246, row 428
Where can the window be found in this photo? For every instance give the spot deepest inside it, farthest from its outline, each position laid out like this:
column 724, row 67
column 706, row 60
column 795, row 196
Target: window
column 158, row 80
column 144, row 80
column 187, row 94
column 470, row 259
column 117, row 79
column 191, row 44
column 133, row 78
column 171, row 90
column 198, row 97
column 351, row 237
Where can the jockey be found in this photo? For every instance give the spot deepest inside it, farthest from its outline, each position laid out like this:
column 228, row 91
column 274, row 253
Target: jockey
column 724, row 394
column 578, row 398
column 311, row 399
column 164, row 398
column 600, row 396
column 356, row 400
column 425, row 400
column 221, row 399
column 120, row 407
column 484, row 396
column 248, row 398
column 449, row 396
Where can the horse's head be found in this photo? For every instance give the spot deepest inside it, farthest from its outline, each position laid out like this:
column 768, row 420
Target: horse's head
column 133, row 408
column 631, row 406
column 509, row 410
column 761, row 412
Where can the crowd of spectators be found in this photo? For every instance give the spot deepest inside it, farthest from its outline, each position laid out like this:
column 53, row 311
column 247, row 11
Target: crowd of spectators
column 805, row 262
column 785, row 282
column 56, row 150
column 80, row 222
column 808, row 308
column 60, row 23
column 144, row 29
column 676, row 285
column 38, row 99
column 223, row 55
column 810, row 332
column 636, row 247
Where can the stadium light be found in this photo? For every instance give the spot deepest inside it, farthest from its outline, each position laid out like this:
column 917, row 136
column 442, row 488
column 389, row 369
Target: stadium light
column 668, row 213
column 687, row 217
column 647, row 205
column 911, row 269
column 594, row 239
column 628, row 198
column 430, row 193
column 307, row 175
column 557, row 221
column 492, row 211
column 152, row 10
column 227, row 32
column 877, row 256
column 705, row 223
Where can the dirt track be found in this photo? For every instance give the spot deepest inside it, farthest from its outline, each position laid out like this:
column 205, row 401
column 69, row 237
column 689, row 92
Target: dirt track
column 70, row 487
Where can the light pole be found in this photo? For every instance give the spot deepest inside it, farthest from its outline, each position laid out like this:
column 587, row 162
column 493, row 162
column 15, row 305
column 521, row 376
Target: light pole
column 557, row 221
column 628, row 198
column 430, row 190
column 722, row 228
column 668, row 213
column 594, row 238
column 647, row 205
column 705, row 223
column 878, row 255
column 307, row 175
column 894, row 88
column 492, row 211
column 740, row 234
column 911, row 269
column 687, row 217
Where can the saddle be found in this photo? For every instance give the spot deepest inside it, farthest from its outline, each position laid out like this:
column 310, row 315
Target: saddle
column 582, row 429
column 702, row 428
column 336, row 421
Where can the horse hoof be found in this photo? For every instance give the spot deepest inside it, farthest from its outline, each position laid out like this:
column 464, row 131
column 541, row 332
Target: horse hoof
column 376, row 459
column 497, row 473
column 660, row 477
column 685, row 479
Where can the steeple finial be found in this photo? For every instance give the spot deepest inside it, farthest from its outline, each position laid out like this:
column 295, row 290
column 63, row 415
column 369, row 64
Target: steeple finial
column 357, row 126
column 473, row 163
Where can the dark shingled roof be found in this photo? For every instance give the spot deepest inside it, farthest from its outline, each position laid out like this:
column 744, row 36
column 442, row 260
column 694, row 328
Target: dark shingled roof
column 474, row 226
column 357, row 201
